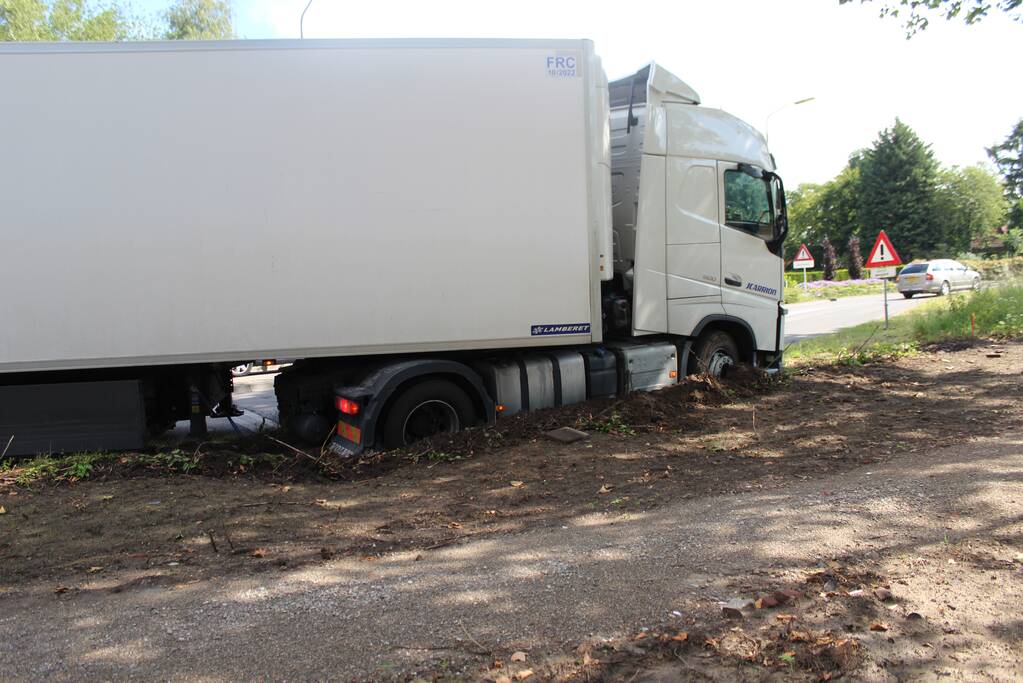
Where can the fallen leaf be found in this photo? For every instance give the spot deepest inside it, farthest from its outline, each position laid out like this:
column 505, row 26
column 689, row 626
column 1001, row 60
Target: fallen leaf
column 61, row 589
column 3, row 510
column 799, row 637
column 606, row 489
column 498, row 664
column 517, row 484
column 878, row 626
column 93, row 570
column 681, row 636
column 641, row 635
column 503, row 679
column 258, row 552
column 107, row 497
column 882, row 594
column 785, row 617
column 454, row 525
column 523, row 675
column 518, row 656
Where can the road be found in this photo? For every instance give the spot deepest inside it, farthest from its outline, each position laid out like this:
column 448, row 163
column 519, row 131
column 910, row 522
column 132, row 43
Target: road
column 814, row 318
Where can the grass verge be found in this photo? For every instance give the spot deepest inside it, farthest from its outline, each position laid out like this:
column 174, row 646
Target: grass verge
column 818, row 291
column 995, row 313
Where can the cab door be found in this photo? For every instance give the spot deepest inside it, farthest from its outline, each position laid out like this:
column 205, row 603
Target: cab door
column 692, row 232
column 751, row 276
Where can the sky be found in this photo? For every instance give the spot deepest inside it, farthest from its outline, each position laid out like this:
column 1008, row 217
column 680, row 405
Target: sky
column 956, row 85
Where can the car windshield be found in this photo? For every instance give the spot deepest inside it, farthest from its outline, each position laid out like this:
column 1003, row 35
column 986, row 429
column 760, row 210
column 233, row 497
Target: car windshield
column 914, row 268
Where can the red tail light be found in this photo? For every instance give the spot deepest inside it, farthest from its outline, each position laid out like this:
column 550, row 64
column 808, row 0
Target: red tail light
column 347, row 406
column 930, row 276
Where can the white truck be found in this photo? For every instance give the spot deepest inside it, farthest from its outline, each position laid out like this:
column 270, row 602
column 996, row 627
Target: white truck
column 441, row 230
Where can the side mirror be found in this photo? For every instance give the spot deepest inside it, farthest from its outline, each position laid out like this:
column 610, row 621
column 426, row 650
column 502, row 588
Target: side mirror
column 751, row 171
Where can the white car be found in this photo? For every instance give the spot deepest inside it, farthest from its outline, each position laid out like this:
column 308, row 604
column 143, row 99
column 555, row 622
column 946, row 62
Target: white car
column 940, row 277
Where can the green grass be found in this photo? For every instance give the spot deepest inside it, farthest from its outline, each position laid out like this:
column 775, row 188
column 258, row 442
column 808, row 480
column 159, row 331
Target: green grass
column 998, row 311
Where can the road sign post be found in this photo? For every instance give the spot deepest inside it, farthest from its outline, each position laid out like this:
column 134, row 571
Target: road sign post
column 882, row 262
column 803, row 260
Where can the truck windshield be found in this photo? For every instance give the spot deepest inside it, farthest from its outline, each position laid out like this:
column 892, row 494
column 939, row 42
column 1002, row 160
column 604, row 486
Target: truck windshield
column 748, row 205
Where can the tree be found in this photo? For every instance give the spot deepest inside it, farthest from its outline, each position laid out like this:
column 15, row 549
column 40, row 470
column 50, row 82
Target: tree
column 35, row 20
column 828, row 259
column 199, row 20
column 918, row 12
column 855, row 259
column 830, row 209
column 1008, row 157
column 898, row 186
column 970, row 204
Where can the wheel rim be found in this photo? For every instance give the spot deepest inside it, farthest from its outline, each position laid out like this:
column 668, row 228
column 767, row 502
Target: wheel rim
column 944, row 288
column 428, row 419
column 719, row 363
column 241, row 369
column 976, row 284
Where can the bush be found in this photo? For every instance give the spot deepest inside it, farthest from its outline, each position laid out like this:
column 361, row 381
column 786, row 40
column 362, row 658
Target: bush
column 996, row 269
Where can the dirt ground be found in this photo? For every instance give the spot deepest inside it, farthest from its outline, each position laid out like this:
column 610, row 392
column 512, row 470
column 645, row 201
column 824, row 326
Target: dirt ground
column 259, row 517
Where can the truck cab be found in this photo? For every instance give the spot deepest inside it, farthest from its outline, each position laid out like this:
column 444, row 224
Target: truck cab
column 698, row 222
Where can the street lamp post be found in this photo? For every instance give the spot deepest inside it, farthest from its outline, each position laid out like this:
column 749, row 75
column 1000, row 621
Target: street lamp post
column 767, row 126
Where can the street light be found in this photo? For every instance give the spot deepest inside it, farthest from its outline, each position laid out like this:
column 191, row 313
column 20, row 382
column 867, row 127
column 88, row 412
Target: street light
column 301, row 20
column 767, row 126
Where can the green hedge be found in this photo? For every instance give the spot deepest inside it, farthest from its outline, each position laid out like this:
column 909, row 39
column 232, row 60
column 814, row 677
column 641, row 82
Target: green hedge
column 795, row 277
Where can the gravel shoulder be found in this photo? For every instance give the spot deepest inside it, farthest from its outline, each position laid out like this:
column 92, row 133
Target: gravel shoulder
column 445, row 569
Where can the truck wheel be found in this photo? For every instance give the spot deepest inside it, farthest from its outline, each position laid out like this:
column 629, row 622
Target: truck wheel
column 426, row 409
column 716, row 352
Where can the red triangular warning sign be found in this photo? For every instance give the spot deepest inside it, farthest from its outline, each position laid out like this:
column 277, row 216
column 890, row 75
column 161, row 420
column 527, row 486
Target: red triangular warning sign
column 803, row 259
column 883, row 253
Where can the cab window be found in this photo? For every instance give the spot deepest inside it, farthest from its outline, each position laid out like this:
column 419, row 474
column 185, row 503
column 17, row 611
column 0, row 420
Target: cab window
column 748, row 204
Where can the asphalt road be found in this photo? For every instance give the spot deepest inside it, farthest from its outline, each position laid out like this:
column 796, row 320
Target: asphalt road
column 815, row 318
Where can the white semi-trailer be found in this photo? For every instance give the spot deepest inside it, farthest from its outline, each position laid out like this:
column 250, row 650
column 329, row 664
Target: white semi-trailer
column 441, row 230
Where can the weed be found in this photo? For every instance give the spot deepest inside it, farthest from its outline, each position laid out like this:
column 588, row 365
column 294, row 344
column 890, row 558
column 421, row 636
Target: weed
column 433, row 456
column 612, row 425
column 72, row 467
column 175, row 460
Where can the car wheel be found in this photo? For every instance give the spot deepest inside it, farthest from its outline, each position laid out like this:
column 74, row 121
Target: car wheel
column 976, row 284
column 427, row 409
column 241, row 370
column 908, row 295
column 945, row 289
column 716, row 354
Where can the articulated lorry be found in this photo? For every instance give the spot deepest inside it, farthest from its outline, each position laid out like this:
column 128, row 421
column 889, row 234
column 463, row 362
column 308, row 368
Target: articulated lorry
column 440, row 231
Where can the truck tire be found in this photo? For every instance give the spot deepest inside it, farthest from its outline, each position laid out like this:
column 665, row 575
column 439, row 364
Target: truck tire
column 715, row 353
column 436, row 406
